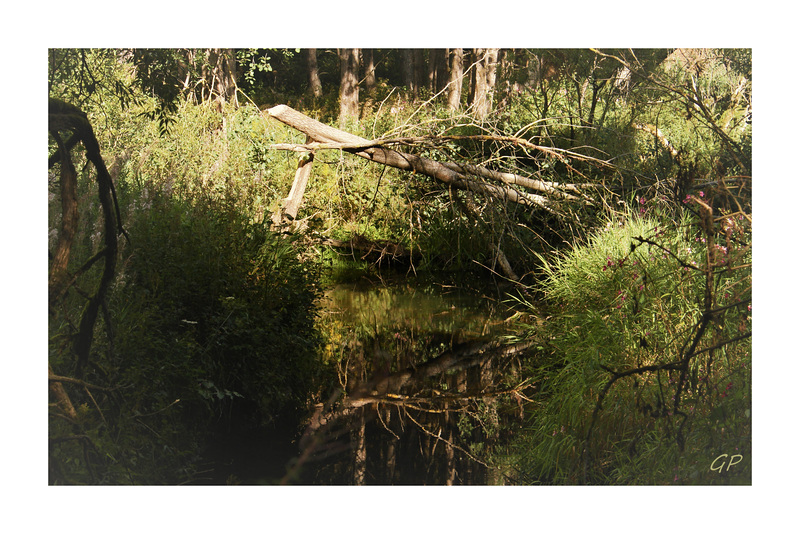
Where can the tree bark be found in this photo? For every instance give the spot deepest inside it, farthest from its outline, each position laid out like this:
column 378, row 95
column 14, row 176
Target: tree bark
column 64, row 116
column 477, row 77
column 292, row 203
column 456, row 79
column 408, row 69
column 437, row 69
column 348, row 90
column 484, row 76
column 61, row 396
column 314, row 83
column 442, row 69
column 69, row 220
column 433, row 55
column 220, row 74
column 368, row 55
column 407, row 162
column 449, row 452
column 491, row 59
column 391, row 455
column 419, row 71
column 659, row 135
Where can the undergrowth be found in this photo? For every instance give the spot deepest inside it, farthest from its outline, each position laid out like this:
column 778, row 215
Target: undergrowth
column 643, row 380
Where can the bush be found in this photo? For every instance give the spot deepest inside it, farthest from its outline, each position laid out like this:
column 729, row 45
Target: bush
column 210, row 321
column 631, row 330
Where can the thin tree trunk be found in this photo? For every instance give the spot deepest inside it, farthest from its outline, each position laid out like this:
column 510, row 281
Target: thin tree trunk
column 450, row 422
column 492, row 58
column 230, row 80
column 221, row 75
column 348, row 90
column 450, row 458
column 433, row 54
column 390, row 448
column 442, row 69
column 477, row 78
column 437, row 69
column 456, row 79
column 61, row 396
column 408, row 69
column 314, row 83
column 292, row 203
column 64, row 116
column 368, row 54
column 419, row 71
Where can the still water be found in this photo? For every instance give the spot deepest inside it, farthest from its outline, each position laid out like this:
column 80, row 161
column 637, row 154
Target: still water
column 421, row 384
column 420, row 366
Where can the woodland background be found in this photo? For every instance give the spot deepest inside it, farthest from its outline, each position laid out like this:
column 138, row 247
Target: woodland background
column 772, row 227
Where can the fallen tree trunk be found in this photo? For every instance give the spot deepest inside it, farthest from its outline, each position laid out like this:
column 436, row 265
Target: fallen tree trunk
column 659, row 135
column 332, row 138
column 507, row 187
column 555, row 189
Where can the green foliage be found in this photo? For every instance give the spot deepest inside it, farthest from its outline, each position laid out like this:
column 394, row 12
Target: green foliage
column 253, row 62
column 698, row 100
column 211, row 310
column 624, row 307
column 87, row 77
column 211, row 318
column 234, row 294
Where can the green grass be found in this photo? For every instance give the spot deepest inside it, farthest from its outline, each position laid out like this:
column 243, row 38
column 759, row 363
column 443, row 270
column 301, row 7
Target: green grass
column 617, row 304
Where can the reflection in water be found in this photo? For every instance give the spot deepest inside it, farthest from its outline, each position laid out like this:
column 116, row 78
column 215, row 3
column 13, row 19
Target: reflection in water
column 420, row 371
column 424, row 308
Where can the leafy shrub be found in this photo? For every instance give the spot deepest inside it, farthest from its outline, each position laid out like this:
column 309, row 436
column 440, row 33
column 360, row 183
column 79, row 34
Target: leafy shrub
column 630, row 331
column 210, row 320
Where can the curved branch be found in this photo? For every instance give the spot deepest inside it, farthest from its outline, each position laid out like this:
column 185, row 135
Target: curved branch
column 63, row 116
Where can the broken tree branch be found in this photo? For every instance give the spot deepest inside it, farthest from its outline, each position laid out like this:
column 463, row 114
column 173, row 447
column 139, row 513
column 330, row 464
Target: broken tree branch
column 327, row 137
column 295, row 198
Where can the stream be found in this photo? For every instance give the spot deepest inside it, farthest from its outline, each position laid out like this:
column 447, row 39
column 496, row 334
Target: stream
column 418, row 366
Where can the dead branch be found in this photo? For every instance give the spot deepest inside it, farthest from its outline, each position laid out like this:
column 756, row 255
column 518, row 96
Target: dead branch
column 62, row 398
column 659, row 135
column 466, row 171
column 448, row 442
column 69, row 380
column 376, row 151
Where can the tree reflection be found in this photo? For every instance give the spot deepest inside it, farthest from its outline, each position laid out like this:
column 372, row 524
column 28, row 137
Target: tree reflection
column 425, row 383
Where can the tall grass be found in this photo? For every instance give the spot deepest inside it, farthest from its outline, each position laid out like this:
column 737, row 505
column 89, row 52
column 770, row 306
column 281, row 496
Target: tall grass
column 626, row 312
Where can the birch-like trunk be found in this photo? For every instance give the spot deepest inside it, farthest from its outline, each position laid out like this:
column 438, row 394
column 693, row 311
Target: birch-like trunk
column 456, row 79
column 348, row 90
